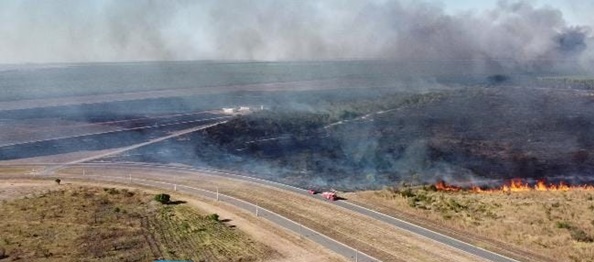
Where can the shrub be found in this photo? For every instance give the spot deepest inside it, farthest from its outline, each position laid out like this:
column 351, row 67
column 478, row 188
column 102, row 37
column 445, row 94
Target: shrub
column 112, row 191
column 163, row 198
column 406, row 193
column 213, row 217
column 563, row 224
column 431, row 188
column 127, row 193
column 580, row 235
column 58, row 181
column 412, row 202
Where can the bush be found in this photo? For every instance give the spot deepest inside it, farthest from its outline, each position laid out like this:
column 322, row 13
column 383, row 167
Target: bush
column 112, row 191
column 58, row 181
column 563, row 224
column 580, row 235
column 163, row 198
column 406, row 193
column 213, row 217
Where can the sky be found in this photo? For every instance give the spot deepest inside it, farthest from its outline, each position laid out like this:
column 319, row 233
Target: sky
column 271, row 30
column 575, row 11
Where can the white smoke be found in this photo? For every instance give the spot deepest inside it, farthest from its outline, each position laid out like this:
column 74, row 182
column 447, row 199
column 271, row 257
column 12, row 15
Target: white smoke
column 511, row 33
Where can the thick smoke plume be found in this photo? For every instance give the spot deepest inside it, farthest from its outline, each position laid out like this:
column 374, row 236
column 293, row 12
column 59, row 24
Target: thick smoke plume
column 512, row 34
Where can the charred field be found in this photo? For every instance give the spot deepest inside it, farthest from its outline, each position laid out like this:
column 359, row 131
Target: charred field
column 465, row 136
column 382, row 124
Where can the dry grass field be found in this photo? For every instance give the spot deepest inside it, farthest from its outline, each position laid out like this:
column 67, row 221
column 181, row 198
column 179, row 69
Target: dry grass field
column 79, row 223
column 531, row 226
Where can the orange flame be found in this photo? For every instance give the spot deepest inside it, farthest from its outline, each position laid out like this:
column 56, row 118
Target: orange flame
column 540, row 186
column 515, row 185
column 477, row 189
column 442, row 186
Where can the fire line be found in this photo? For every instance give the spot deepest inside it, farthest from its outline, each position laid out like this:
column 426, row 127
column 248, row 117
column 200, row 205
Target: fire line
column 514, row 185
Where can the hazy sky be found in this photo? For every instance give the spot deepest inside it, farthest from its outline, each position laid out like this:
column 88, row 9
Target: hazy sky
column 133, row 30
column 575, row 11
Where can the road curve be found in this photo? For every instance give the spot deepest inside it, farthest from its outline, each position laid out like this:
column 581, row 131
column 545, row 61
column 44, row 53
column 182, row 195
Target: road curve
column 401, row 224
column 304, row 231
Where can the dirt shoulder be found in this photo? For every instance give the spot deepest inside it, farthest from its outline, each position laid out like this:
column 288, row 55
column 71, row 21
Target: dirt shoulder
column 17, row 188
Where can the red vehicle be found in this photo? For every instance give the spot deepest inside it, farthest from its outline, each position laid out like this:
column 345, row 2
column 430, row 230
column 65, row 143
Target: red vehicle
column 312, row 192
column 330, row 196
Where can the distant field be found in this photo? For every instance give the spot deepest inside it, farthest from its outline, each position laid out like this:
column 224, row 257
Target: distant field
column 19, row 82
column 558, row 226
column 108, row 78
column 94, row 224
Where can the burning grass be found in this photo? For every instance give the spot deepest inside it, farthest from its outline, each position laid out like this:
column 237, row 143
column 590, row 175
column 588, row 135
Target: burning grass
column 515, row 185
column 556, row 224
column 94, row 224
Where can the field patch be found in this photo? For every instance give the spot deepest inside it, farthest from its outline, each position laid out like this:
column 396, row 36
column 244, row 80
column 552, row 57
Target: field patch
column 74, row 223
column 532, row 225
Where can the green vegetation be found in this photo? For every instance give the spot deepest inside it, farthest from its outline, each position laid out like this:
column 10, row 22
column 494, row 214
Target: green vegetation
column 213, row 217
column 563, row 224
column 163, row 198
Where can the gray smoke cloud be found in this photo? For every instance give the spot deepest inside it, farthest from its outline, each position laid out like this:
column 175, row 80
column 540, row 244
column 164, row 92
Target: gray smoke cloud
column 515, row 34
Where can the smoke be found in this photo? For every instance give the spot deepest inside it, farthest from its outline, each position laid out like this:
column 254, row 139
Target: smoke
column 514, row 34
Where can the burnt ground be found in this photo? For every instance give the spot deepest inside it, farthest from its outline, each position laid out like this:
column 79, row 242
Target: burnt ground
column 464, row 136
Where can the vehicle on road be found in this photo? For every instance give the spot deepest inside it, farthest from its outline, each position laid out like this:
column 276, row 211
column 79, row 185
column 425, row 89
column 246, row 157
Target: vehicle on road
column 331, row 196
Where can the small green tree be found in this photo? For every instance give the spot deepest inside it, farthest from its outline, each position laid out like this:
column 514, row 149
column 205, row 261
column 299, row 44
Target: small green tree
column 213, row 217
column 163, row 198
column 58, row 181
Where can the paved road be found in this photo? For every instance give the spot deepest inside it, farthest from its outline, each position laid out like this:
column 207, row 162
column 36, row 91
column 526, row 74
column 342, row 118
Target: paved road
column 327, row 242
column 415, row 229
column 93, row 133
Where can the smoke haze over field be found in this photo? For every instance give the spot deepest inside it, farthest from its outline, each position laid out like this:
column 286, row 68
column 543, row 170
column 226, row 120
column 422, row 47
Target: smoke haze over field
column 513, row 34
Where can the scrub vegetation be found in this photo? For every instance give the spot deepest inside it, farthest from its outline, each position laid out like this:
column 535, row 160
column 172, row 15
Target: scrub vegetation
column 109, row 224
column 558, row 226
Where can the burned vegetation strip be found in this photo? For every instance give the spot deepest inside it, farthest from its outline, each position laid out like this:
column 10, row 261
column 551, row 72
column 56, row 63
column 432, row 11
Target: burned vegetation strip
column 73, row 223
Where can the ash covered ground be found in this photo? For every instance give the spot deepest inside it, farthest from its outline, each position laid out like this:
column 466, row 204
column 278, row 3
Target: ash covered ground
column 382, row 124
